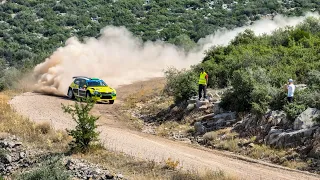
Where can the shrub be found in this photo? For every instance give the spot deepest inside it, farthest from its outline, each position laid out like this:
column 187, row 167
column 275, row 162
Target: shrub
column 43, row 128
column 181, row 84
column 313, row 79
column 84, row 133
column 9, row 78
column 171, row 164
column 293, row 110
column 251, row 92
column 52, row 169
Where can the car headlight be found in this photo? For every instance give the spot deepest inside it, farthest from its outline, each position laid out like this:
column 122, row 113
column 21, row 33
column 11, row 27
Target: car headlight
column 113, row 93
column 96, row 93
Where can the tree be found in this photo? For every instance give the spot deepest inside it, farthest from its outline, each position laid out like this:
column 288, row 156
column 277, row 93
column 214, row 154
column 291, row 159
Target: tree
column 84, row 133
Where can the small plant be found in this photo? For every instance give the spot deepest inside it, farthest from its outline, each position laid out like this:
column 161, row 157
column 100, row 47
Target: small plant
column 43, row 128
column 171, row 164
column 52, row 169
column 84, row 133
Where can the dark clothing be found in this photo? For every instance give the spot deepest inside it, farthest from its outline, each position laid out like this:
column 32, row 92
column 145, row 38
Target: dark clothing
column 204, row 89
column 290, row 99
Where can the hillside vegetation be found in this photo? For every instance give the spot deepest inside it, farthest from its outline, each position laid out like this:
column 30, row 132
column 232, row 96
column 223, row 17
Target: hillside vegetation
column 258, row 67
column 30, row 30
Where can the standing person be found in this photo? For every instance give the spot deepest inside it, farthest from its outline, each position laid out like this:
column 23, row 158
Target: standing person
column 203, row 81
column 290, row 88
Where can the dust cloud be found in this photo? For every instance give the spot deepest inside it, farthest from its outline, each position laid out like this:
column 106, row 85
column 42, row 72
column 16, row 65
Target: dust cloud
column 119, row 57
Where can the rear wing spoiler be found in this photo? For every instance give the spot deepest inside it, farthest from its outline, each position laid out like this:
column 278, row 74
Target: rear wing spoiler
column 80, row 77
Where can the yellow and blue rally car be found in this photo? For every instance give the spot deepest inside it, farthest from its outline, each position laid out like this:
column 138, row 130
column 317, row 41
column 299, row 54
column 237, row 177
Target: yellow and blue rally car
column 94, row 88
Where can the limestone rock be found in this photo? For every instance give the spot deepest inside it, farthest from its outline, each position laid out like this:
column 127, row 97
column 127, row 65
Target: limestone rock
column 306, row 119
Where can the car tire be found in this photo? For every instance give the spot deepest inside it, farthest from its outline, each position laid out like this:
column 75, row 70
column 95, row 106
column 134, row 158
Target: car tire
column 88, row 95
column 111, row 101
column 70, row 94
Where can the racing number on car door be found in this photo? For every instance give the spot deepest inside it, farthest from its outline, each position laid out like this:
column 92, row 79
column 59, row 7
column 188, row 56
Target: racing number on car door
column 82, row 89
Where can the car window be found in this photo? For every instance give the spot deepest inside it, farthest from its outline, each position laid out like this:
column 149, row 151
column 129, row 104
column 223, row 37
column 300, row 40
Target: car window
column 82, row 82
column 77, row 81
column 96, row 83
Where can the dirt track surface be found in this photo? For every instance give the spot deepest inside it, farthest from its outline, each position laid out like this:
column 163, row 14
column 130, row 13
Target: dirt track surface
column 117, row 137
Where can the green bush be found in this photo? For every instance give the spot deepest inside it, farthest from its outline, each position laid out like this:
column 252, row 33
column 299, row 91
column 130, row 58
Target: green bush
column 251, row 92
column 313, row 79
column 181, row 84
column 51, row 169
column 9, row 78
column 309, row 97
column 293, row 110
column 84, row 133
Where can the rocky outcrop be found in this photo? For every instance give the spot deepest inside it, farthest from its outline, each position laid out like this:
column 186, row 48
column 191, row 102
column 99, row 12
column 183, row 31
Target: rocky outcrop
column 280, row 138
column 82, row 169
column 13, row 155
column 306, row 119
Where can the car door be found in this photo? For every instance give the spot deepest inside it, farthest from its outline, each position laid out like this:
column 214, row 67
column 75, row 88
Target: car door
column 75, row 87
column 82, row 89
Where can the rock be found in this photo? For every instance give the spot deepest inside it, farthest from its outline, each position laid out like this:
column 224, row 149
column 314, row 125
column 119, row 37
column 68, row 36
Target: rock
column 192, row 101
column 280, row 139
column 109, row 176
column 201, row 103
column 306, row 119
column 203, row 107
column 278, row 118
column 225, row 116
column 120, row 176
column 190, row 107
column 251, row 145
column 7, row 159
column 205, row 117
column 22, row 155
column 216, row 108
column 199, row 128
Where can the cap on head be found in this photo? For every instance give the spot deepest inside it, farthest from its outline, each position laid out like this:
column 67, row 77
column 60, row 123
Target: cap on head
column 290, row 80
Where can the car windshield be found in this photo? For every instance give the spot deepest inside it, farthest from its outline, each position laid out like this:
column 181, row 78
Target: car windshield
column 96, row 83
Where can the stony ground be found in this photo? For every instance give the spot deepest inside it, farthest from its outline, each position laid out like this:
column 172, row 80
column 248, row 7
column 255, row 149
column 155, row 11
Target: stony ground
column 116, row 136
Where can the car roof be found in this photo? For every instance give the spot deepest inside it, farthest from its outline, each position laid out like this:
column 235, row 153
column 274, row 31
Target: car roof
column 86, row 78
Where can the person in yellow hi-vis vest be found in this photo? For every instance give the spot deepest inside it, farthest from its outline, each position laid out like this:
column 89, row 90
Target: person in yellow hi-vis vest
column 203, row 81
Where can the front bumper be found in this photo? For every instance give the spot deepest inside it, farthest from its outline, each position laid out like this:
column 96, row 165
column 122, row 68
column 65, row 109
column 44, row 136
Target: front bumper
column 104, row 97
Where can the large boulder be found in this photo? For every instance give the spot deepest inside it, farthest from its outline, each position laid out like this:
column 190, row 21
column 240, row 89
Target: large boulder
column 306, row 119
column 280, row 138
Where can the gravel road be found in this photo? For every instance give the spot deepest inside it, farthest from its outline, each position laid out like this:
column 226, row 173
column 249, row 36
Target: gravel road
column 116, row 136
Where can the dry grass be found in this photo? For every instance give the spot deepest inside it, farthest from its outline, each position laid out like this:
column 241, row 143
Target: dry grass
column 38, row 135
column 143, row 94
column 145, row 170
column 224, row 139
column 296, row 165
column 168, row 128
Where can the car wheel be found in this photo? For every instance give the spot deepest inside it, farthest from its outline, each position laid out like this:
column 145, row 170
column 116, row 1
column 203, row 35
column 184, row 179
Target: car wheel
column 88, row 95
column 111, row 101
column 70, row 93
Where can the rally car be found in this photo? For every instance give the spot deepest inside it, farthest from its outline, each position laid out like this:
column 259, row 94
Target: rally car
column 94, row 88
